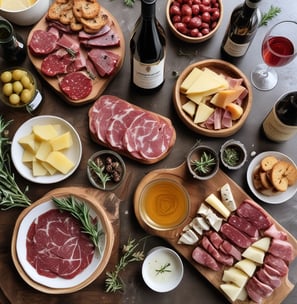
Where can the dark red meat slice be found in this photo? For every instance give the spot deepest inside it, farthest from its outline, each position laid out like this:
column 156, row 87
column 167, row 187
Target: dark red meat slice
column 254, row 213
column 276, row 263
column 273, row 232
column 57, row 247
column 69, row 42
column 76, row 85
column 268, row 279
column 104, row 61
column 109, row 39
column 235, row 236
column 230, row 249
column 82, row 35
column 281, row 249
column 243, row 225
column 215, row 239
column 42, row 43
column 205, row 259
column 257, row 290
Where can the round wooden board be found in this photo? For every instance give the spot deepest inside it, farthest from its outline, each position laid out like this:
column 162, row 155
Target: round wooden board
column 198, row 191
column 221, row 67
column 98, row 201
column 99, row 83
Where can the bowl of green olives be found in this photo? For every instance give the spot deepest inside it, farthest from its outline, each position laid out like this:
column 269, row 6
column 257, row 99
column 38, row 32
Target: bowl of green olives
column 17, row 87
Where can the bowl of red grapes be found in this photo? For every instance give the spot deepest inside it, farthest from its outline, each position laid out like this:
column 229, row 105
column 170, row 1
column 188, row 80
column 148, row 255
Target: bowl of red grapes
column 194, row 21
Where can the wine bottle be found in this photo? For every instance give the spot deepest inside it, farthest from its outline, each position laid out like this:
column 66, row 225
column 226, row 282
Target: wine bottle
column 281, row 122
column 13, row 46
column 148, row 53
column 241, row 30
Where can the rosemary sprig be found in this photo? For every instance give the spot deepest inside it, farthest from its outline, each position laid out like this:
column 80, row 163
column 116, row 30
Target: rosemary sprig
column 129, row 3
column 10, row 193
column 231, row 156
column 269, row 15
column 204, row 164
column 99, row 171
column 163, row 268
column 130, row 253
column 80, row 211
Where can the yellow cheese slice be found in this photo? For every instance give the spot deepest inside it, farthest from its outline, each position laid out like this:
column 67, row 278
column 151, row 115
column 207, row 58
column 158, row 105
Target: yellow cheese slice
column 61, row 142
column 44, row 132
column 190, row 108
column 190, row 79
column 28, row 156
column 203, row 112
column 50, row 169
column 254, row 254
column 28, row 142
column 247, row 266
column 60, row 162
column 236, row 276
column 213, row 201
column 231, row 291
column 38, row 169
column 262, row 243
column 43, row 151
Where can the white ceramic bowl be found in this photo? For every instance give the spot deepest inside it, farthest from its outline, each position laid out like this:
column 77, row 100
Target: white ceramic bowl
column 162, row 281
column 27, row 16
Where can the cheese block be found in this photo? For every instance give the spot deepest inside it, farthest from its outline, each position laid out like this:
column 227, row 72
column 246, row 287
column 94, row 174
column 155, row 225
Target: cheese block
column 28, row 142
column 224, row 97
column 254, row 254
column 28, row 156
column 61, row 142
column 247, row 266
column 235, row 110
column 60, row 162
column 38, row 169
column 262, row 243
column 190, row 79
column 190, row 108
column 203, row 113
column 44, row 132
column 198, row 97
column 216, row 203
column 231, row 291
column 236, row 276
column 188, row 237
column 227, row 197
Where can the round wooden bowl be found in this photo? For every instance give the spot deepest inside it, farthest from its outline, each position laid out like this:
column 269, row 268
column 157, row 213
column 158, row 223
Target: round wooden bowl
column 64, row 286
column 219, row 66
column 188, row 38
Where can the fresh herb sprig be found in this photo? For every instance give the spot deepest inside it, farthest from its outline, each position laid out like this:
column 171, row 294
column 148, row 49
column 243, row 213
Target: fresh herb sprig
column 10, row 193
column 131, row 254
column 231, row 156
column 163, row 269
column 99, row 171
column 269, row 15
column 129, row 3
column 80, row 211
column 204, row 164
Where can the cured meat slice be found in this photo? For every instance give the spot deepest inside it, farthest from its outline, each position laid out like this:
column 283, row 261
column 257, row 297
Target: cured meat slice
column 276, row 263
column 257, row 290
column 109, row 39
column 230, row 249
column 56, row 247
column 202, row 257
column 255, row 214
column 82, row 35
column 76, row 85
column 281, row 249
column 42, row 43
column 215, row 239
column 273, row 232
column 243, row 225
column 105, row 61
column 235, row 236
column 268, row 279
column 69, row 42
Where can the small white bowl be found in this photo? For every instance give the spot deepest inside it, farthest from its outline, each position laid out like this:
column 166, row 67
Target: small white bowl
column 27, row 16
column 170, row 278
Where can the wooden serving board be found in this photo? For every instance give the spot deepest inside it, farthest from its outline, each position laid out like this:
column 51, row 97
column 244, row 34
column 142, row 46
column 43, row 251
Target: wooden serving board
column 105, row 204
column 198, row 191
column 99, row 83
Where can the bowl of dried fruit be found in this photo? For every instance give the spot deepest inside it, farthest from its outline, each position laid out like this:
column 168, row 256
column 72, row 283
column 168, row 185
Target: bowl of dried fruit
column 233, row 154
column 106, row 170
column 203, row 162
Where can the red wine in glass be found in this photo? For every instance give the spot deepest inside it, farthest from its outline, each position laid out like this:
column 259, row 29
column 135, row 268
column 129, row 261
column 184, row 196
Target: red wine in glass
column 277, row 51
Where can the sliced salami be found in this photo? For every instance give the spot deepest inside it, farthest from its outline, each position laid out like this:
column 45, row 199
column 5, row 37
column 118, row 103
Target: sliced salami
column 76, row 85
column 43, row 42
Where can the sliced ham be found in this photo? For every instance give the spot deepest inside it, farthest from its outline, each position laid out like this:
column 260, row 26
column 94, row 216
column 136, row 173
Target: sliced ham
column 215, row 239
column 281, row 249
column 255, row 214
column 276, row 263
column 203, row 258
column 258, row 290
column 227, row 247
column 235, row 236
column 243, row 225
column 274, row 233
column 271, row 280
column 69, row 42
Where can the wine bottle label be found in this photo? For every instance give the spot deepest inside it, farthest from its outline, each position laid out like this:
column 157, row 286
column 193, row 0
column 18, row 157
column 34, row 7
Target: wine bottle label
column 235, row 49
column 148, row 76
column 275, row 130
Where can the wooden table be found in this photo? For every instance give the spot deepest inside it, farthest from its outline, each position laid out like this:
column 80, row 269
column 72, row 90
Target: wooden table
column 193, row 288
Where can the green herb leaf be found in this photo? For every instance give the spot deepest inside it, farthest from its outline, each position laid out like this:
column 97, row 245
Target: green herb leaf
column 99, row 171
column 163, row 268
column 204, row 164
column 269, row 15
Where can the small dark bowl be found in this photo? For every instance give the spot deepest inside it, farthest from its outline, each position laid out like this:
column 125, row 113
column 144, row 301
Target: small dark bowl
column 237, row 154
column 121, row 170
column 196, row 154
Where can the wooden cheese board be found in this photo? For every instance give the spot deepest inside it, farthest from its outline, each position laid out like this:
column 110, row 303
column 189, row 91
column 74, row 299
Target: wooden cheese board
column 104, row 204
column 99, row 84
column 198, row 191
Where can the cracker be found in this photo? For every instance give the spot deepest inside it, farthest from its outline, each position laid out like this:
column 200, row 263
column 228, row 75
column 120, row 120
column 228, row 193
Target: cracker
column 76, row 25
column 95, row 24
column 66, row 17
column 90, row 9
column 278, row 176
column 268, row 162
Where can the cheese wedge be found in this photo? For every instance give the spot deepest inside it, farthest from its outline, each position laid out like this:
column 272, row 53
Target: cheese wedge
column 188, row 237
column 227, row 197
column 203, row 113
column 44, row 132
column 247, row 266
column 235, row 110
column 60, row 162
column 61, row 142
column 216, row 203
column 254, row 254
column 224, row 97
column 43, row 151
column 38, row 169
column 236, row 276
column 231, row 291
column 190, row 79
column 262, row 243
column 28, row 142
column 190, row 108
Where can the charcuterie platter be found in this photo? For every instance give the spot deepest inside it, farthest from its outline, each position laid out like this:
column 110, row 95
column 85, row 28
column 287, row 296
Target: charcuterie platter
column 198, row 191
column 96, row 83
column 97, row 202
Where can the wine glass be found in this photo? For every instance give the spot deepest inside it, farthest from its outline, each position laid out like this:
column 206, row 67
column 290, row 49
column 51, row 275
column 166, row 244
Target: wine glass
column 279, row 47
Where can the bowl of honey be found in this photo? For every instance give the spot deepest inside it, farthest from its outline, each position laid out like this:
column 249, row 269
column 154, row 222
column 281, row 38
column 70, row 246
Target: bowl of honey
column 163, row 204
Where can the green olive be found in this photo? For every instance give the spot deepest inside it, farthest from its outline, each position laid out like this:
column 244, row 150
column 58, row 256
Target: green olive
column 14, row 99
column 18, row 74
column 7, row 89
column 6, row 76
column 26, row 96
column 26, row 82
column 17, row 87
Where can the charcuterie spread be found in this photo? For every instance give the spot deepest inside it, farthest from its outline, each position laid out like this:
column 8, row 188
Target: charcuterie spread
column 130, row 130
column 229, row 239
column 78, row 56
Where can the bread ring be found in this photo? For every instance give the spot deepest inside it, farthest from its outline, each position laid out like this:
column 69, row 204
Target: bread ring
column 278, row 176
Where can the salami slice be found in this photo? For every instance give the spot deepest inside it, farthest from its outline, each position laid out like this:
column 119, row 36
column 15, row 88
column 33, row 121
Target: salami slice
column 76, row 85
column 42, row 42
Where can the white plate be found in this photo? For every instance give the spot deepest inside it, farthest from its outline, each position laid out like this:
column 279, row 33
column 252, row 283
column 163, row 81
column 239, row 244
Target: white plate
column 74, row 153
column 279, row 197
column 57, row 282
